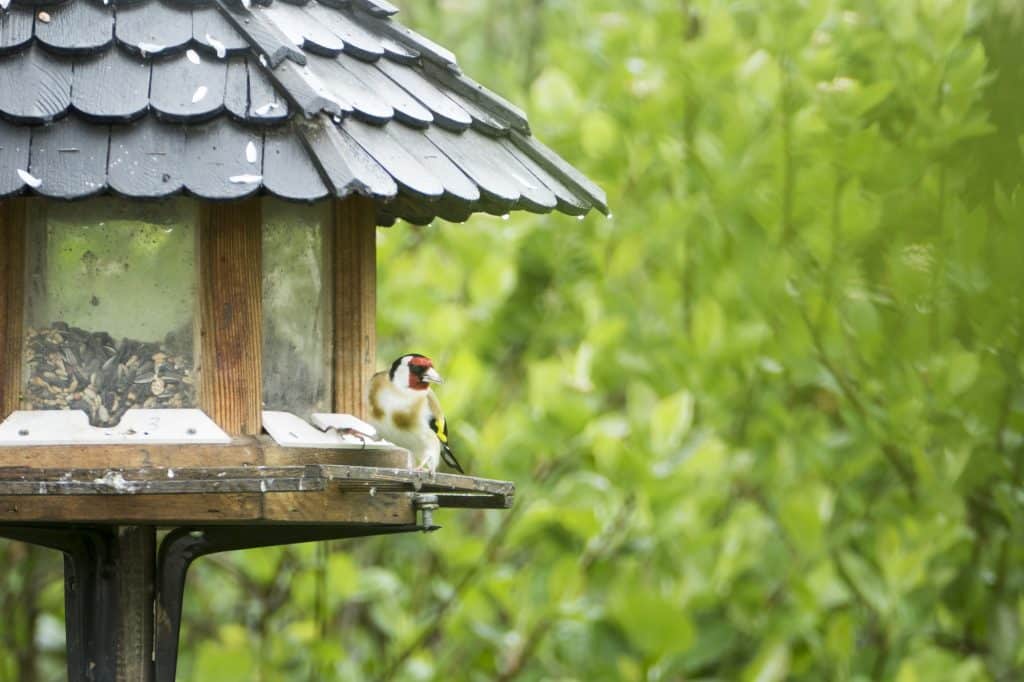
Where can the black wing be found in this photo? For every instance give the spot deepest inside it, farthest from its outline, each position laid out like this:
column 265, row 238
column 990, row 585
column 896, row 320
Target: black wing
column 440, row 427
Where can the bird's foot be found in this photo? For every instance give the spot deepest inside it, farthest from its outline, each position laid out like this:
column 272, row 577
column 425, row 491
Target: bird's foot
column 358, row 434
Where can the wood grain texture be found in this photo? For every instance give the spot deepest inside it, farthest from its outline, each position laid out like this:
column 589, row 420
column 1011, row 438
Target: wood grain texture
column 207, row 23
column 16, row 27
column 458, row 188
column 346, row 166
column 414, row 180
column 305, row 90
column 329, row 506
column 77, row 27
column 492, row 102
column 236, row 90
column 231, row 315
column 183, row 91
column 153, row 27
column 70, row 158
column 136, row 557
column 499, row 192
column 215, row 153
column 295, row 23
column 242, row 452
column 446, row 112
column 12, row 302
column 333, row 506
column 15, row 142
column 406, row 108
column 287, row 171
column 358, row 42
column 151, row 509
column 355, row 302
column 147, row 158
column 265, row 103
column 110, row 87
column 35, row 86
column 428, row 49
column 343, row 86
column 263, row 34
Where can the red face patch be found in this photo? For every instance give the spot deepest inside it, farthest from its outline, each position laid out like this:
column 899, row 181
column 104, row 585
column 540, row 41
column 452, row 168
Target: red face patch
column 418, row 365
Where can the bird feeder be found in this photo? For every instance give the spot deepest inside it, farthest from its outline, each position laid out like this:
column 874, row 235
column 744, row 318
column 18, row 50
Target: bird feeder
column 189, row 194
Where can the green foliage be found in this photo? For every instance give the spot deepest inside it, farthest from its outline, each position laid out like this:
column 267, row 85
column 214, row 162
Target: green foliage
column 767, row 422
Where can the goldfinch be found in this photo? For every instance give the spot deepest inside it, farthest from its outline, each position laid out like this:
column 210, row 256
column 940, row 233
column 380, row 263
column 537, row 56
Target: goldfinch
column 406, row 412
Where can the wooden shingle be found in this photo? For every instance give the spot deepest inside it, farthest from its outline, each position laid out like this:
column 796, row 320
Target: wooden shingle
column 160, row 97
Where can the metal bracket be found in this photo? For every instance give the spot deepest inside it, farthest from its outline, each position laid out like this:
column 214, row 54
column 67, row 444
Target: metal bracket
column 182, row 546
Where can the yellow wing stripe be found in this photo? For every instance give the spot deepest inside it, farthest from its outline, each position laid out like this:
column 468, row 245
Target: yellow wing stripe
column 440, row 428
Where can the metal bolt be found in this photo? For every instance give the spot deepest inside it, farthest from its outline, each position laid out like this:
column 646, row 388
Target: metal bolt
column 427, row 504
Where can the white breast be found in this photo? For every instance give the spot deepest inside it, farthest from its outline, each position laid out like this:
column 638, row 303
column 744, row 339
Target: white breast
column 417, row 438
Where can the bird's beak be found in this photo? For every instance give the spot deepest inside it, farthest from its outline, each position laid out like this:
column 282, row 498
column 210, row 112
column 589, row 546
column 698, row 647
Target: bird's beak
column 431, row 376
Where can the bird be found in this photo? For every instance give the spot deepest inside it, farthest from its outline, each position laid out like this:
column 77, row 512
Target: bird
column 405, row 411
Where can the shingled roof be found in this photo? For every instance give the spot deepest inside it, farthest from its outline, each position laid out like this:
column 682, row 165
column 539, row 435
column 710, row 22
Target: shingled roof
column 302, row 100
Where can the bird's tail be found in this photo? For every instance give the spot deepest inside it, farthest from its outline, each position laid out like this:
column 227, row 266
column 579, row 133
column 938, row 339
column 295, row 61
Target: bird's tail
column 449, row 458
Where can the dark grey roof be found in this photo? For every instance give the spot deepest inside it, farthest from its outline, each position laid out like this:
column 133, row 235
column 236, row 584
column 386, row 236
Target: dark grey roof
column 297, row 99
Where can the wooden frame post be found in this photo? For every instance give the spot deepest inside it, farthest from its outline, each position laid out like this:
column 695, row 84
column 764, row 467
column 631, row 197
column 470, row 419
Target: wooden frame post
column 231, row 314
column 354, row 250
column 12, row 302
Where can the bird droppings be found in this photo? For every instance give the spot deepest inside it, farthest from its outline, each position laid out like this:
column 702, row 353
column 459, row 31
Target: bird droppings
column 199, row 94
column 245, row 179
column 4, row 4
column 217, row 45
column 150, row 48
column 265, row 109
column 580, row 218
column 263, row 62
column 114, row 480
column 43, row 17
column 29, row 179
column 193, row 56
column 170, row 473
column 250, row 152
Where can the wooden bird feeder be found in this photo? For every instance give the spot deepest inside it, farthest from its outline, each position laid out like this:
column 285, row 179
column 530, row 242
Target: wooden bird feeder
column 189, row 194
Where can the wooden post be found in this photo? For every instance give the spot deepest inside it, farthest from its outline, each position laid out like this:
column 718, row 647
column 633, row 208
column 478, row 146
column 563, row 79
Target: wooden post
column 231, row 314
column 355, row 302
column 12, row 302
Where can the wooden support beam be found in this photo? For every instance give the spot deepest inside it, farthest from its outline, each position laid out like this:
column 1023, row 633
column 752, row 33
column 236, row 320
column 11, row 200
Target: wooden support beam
column 12, row 302
column 354, row 252
column 231, row 314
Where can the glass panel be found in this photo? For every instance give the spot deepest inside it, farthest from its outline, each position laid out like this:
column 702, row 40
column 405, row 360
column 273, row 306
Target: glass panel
column 110, row 307
column 296, row 309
